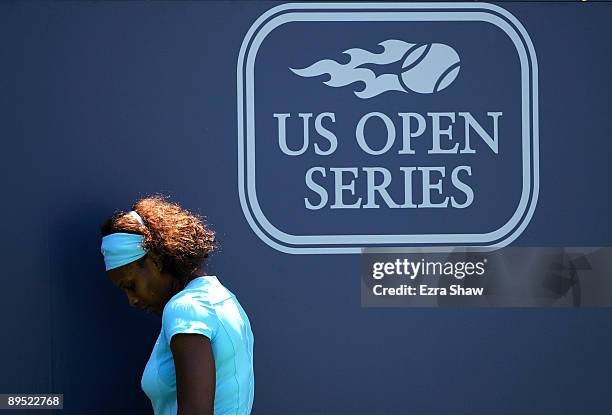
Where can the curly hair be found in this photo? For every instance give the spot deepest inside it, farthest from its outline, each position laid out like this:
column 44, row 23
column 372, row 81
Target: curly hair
column 179, row 237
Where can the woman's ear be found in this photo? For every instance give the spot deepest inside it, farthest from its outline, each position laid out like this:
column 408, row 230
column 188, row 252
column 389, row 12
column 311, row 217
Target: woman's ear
column 155, row 260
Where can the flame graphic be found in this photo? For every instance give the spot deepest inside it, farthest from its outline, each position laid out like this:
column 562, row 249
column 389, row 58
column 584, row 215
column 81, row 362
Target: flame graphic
column 426, row 68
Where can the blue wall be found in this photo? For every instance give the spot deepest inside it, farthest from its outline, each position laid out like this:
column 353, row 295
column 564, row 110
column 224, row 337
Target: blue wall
column 102, row 103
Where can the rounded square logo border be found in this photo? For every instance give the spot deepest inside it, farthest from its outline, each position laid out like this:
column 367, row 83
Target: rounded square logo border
column 323, row 244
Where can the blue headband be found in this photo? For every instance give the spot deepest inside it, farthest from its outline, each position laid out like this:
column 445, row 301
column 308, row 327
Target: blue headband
column 122, row 248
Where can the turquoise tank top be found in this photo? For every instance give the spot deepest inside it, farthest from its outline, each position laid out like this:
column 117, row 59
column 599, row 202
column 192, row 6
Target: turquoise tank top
column 204, row 307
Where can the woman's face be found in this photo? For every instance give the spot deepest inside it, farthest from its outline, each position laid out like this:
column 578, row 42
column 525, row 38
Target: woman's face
column 144, row 284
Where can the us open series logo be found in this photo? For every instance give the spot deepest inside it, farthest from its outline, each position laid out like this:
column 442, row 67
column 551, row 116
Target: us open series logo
column 387, row 125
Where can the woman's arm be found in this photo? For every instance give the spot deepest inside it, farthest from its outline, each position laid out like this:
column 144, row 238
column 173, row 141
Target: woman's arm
column 195, row 374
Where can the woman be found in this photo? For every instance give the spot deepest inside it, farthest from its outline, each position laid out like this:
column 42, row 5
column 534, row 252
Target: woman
column 202, row 361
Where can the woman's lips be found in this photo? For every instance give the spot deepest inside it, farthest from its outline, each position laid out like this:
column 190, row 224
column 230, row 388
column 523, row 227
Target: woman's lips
column 150, row 309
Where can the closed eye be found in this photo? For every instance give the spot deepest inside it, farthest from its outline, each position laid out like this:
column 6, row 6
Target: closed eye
column 127, row 287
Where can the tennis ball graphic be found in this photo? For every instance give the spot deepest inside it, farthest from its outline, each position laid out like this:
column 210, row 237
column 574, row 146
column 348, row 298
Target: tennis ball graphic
column 429, row 68
column 425, row 68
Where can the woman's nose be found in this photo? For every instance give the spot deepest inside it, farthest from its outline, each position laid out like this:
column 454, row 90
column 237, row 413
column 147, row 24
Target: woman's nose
column 133, row 301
